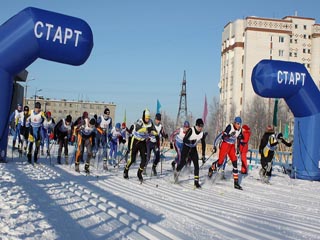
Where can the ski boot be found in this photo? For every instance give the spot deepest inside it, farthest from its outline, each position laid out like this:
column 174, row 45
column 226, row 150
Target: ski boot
column 42, row 152
column 48, row 153
column 86, row 168
column 76, row 167
column 59, row 159
column 154, row 170
column 196, row 184
column 125, row 173
column 236, row 185
column 66, row 158
column 139, row 174
column 105, row 164
column 29, row 156
column 210, row 172
column 173, row 164
column 176, row 176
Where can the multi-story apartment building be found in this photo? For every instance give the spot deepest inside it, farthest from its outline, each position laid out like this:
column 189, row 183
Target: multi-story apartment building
column 247, row 41
column 61, row 108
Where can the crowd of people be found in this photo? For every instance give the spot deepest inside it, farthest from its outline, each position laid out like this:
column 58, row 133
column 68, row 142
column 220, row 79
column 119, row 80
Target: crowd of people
column 35, row 131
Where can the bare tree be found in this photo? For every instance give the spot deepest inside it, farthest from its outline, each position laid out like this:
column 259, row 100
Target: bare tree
column 256, row 117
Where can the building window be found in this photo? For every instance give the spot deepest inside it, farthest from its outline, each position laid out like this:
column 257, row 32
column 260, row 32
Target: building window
column 241, row 101
column 305, row 36
column 296, row 26
column 305, row 27
column 281, row 53
column 304, row 50
column 295, row 54
column 290, row 54
column 296, row 41
column 281, row 39
column 309, row 50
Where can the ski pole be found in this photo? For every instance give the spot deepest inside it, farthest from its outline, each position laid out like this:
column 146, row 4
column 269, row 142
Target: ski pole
column 206, row 160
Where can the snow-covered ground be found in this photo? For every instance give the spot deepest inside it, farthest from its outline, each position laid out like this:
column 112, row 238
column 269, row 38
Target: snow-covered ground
column 55, row 202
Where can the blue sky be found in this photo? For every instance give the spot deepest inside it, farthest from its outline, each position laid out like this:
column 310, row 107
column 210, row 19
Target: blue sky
column 142, row 47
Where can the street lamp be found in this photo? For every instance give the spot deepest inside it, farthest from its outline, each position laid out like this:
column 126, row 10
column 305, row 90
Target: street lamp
column 35, row 94
column 26, row 90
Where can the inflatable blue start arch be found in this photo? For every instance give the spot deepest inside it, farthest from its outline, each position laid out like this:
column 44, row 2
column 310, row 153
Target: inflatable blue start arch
column 292, row 82
column 35, row 33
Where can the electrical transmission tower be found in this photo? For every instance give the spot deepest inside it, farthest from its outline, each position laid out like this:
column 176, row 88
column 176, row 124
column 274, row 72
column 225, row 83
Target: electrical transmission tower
column 182, row 113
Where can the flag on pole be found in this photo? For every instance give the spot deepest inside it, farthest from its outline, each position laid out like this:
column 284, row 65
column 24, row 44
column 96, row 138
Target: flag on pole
column 205, row 110
column 125, row 116
column 158, row 106
column 286, row 131
column 275, row 112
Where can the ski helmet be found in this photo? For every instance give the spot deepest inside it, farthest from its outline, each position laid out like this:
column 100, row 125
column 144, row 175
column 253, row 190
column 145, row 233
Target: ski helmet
column 26, row 108
column 118, row 125
column 48, row 114
column 123, row 125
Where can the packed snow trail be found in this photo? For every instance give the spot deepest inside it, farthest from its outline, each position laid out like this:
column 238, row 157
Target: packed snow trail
column 55, row 202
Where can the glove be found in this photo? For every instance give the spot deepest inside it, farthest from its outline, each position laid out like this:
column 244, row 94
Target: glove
column 171, row 146
column 238, row 150
column 279, row 135
column 203, row 159
column 214, row 150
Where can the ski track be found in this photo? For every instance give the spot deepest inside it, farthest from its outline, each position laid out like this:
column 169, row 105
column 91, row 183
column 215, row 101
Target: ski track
column 104, row 205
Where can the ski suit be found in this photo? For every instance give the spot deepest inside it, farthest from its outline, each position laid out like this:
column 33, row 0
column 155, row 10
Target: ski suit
column 189, row 148
column 230, row 137
column 243, row 147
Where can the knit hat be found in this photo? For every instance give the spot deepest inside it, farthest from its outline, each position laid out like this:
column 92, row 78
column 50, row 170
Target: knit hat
column 158, row 116
column 146, row 114
column 238, row 120
column 37, row 105
column 92, row 121
column 85, row 114
column 69, row 118
column 269, row 128
column 186, row 124
column 199, row 122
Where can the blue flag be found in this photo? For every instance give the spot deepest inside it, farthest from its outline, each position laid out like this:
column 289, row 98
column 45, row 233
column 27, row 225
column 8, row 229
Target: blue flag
column 158, row 106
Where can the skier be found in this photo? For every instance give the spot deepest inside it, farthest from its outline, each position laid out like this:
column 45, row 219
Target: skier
column 86, row 137
column 267, row 147
column 46, row 129
column 153, row 143
column 15, row 121
column 115, row 138
column 230, row 137
column 193, row 136
column 129, row 131
column 78, row 122
column 142, row 129
column 62, row 133
column 105, row 123
column 24, row 131
column 243, row 148
column 176, row 141
column 35, row 120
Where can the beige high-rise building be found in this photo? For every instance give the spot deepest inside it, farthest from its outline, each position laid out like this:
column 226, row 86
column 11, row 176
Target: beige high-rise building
column 247, row 41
